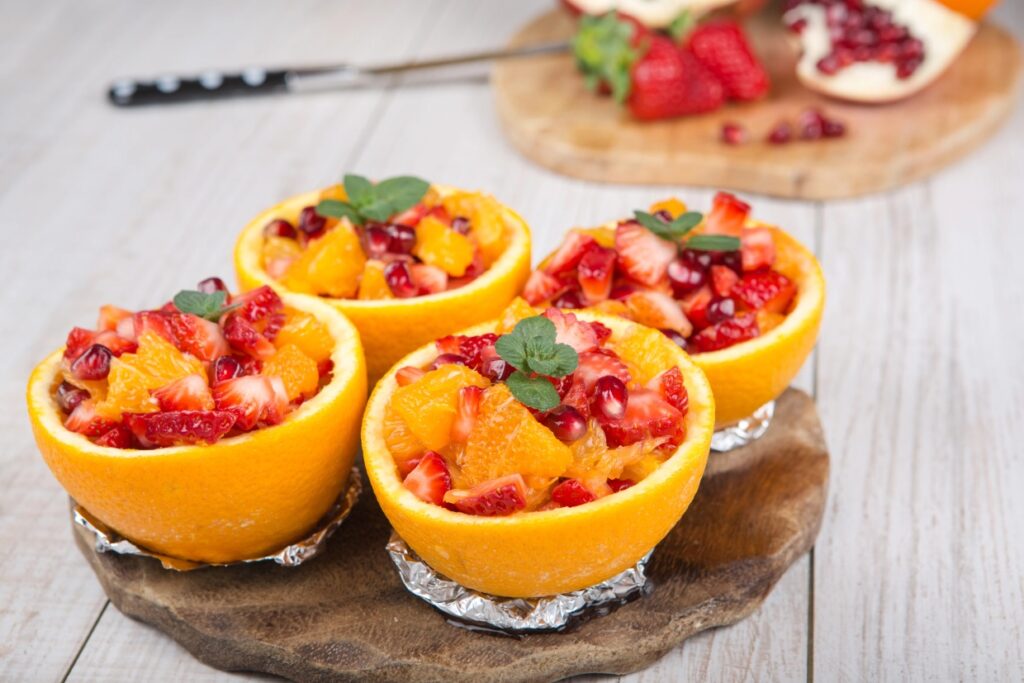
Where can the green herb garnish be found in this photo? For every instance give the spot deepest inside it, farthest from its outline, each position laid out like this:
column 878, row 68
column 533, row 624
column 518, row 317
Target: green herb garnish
column 532, row 350
column 369, row 202
column 670, row 230
column 603, row 47
column 713, row 243
column 209, row 306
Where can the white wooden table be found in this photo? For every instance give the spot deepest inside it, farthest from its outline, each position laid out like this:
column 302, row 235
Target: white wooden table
column 919, row 570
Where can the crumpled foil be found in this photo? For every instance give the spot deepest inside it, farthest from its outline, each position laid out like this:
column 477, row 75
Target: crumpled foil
column 474, row 610
column 292, row 555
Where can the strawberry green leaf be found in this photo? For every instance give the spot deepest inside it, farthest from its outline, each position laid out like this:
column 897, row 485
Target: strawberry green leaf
column 334, row 208
column 713, row 243
column 681, row 25
column 535, row 392
column 604, row 52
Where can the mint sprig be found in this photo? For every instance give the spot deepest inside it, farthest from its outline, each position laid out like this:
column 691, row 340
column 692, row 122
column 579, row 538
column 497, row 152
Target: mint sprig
column 713, row 243
column 670, row 230
column 209, row 306
column 370, row 202
column 604, row 52
column 532, row 350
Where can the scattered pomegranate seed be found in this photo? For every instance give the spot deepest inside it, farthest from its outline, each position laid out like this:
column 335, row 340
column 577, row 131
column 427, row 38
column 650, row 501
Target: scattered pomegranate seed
column 678, row 339
column 225, row 368
column 403, row 238
column 93, row 364
column 685, row 277
column 279, row 228
column 610, row 397
column 496, row 369
column 721, row 309
column 399, row 279
column 697, row 258
column 376, row 241
column 566, row 423
column 812, row 124
column 833, row 128
column 69, row 396
column 449, row 359
column 211, row 285
column 781, row 133
column 617, row 485
column 311, row 224
column 734, row 134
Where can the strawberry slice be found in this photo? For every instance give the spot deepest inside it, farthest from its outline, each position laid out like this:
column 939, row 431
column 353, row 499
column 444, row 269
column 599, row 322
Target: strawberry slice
column 412, row 216
column 617, row 485
column 765, row 290
column 494, row 498
column 572, row 331
column 670, row 386
column 659, row 311
column 252, row 399
column 602, row 331
column 202, row 338
column 569, row 252
column 118, row 436
column 110, row 316
column 643, row 256
column 648, row 416
column 722, row 47
column 467, row 408
column 79, row 339
column 571, row 493
column 257, row 304
column 241, row 335
column 722, row 279
column 757, row 249
column 429, row 279
column 669, row 81
column 726, row 333
column 187, row 393
column 595, row 272
column 180, row 427
column 146, row 321
column 115, row 343
column 596, row 364
column 430, row 479
column 695, row 306
column 576, row 397
column 727, row 215
column 473, row 349
column 83, row 419
column 541, row 287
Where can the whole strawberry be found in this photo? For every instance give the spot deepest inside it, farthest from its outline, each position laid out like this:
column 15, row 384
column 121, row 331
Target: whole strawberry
column 722, row 47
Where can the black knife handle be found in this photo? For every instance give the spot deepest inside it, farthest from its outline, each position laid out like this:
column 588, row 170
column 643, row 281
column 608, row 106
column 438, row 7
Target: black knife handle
column 211, row 85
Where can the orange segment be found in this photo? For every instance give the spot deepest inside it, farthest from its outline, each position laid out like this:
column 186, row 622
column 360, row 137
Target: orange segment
column 279, row 253
column 646, row 349
column 330, row 265
column 675, row 207
column 507, row 439
column 428, row 405
column 972, row 9
column 373, row 285
column 307, row 333
column 516, row 311
column 484, row 214
column 439, row 245
column 156, row 363
column 334, row 192
column 641, row 469
column 297, row 370
column 593, row 463
column 400, row 441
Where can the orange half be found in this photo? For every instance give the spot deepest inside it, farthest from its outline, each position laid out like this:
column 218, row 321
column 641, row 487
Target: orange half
column 532, row 554
column 391, row 328
column 242, row 497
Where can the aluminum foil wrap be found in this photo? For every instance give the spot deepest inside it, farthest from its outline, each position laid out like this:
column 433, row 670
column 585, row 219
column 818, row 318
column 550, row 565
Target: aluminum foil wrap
column 514, row 616
column 292, row 555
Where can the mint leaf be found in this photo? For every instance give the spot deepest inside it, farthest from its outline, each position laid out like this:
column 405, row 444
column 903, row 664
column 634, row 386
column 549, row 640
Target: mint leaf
column 334, row 208
column 535, row 392
column 558, row 361
column 713, row 243
column 512, row 350
column 669, row 230
column 392, row 196
column 359, row 189
column 210, row 306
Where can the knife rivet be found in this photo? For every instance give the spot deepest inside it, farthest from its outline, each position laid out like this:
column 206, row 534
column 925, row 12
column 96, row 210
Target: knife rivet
column 122, row 90
column 211, row 80
column 254, row 77
column 167, row 84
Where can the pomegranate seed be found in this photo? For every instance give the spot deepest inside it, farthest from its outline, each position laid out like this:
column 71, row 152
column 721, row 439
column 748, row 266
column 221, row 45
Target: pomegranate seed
column 697, row 258
column 781, row 133
column 376, row 241
column 449, row 359
column 460, row 224
column 663, row 215
column 211, row 285
column 732, row 259
column 496, row 369
column 617, row 485
column 69, row 396
column 833, row 129
column 685, row 277
column 399, row 280
column 311, row 224
column 734, row 134
column 798, row 26
column 403, row 238
column 677, row 338
column 829, row 64
column 610, row 397
column 225, row 368
column 721, row 309
column 279, row 228
column 812, row 124
column 93, row 364
column 862, row 33
column 566, row 423
column 570, row 299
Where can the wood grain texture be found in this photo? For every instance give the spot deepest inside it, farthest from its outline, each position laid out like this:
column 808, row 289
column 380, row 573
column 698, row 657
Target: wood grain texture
column 347, row 616
column 547, row 113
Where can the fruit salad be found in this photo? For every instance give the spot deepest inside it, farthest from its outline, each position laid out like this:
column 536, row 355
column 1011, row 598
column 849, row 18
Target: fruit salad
column 708, row 282
column 398, row 238
column 205, row 366
column 545, row 413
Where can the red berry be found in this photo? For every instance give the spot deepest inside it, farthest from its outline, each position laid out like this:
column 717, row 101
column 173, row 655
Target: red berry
column 311, row 224
column 258, row 304
column 572, row 331
column 734, row 134
column 79, row 339
column 399, row 279
column 648, row 416
column 448, row 359
column 279, row 228
column 467, row 407
column 94, row 363
column 241, row 335
column 726, row 333
column 781, row 133
column 566, row 423
column 493, row 498
column 668, row 82
column 617, row 485
column 671, row 387
column 461, row 225
column 403, row 238
column 252, row 399
column 118, row 436
column 727, row 216
column 571, row 493
column 721, row 46
column 643, row 256
column 685, row 277
column 569, row 252
column 430, row 479
column 407, row 375
column 180, row 427
column 722, row 279
column 594, row 274
column 376, row 242
column 721, row 309
column 541, row 288
column 765, row 289
column 610, row 398
column 596, row 364
column 69, row 396
column 496, row 369
column 833, row 128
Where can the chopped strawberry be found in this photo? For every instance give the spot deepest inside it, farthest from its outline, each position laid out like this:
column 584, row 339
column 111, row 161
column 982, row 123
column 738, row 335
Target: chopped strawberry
column 497, row 497
column 576, row 397
column 251, row 398
column 727, row 215
column 602, row 331
column 187, row 393
column 441, row 214
column 695, row 306
column 79, row 339
column 643, row 256
column 430, row 479
column 571, row 330
column 407, row 375
column 668, row 82
column 648, row 416
column 757, row 249
column 471, row 348
column 569, row 252
column 411, row 216
column 149, row 321
column 115, row 343
column 671, row 387
column 541, row 287
column 617, row 485
column 429, row 279
column 726, row 333
column 660, row 311
column 765, row 290
column 467, row 407
column 722, row 47
column 570, row 493
column 595, row 272
column 241, row 335
column 722, row 279
column 257, row 304
column 202, row 338
column 83, row 419
column 596, row 364
column 180, row 427
column 118, row 436
column 110, row 316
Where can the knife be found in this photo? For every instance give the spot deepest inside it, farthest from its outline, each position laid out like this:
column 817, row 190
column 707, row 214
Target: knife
column 215, row 85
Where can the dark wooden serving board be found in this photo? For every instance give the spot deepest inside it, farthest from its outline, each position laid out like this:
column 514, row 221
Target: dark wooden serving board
column 345, row 615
